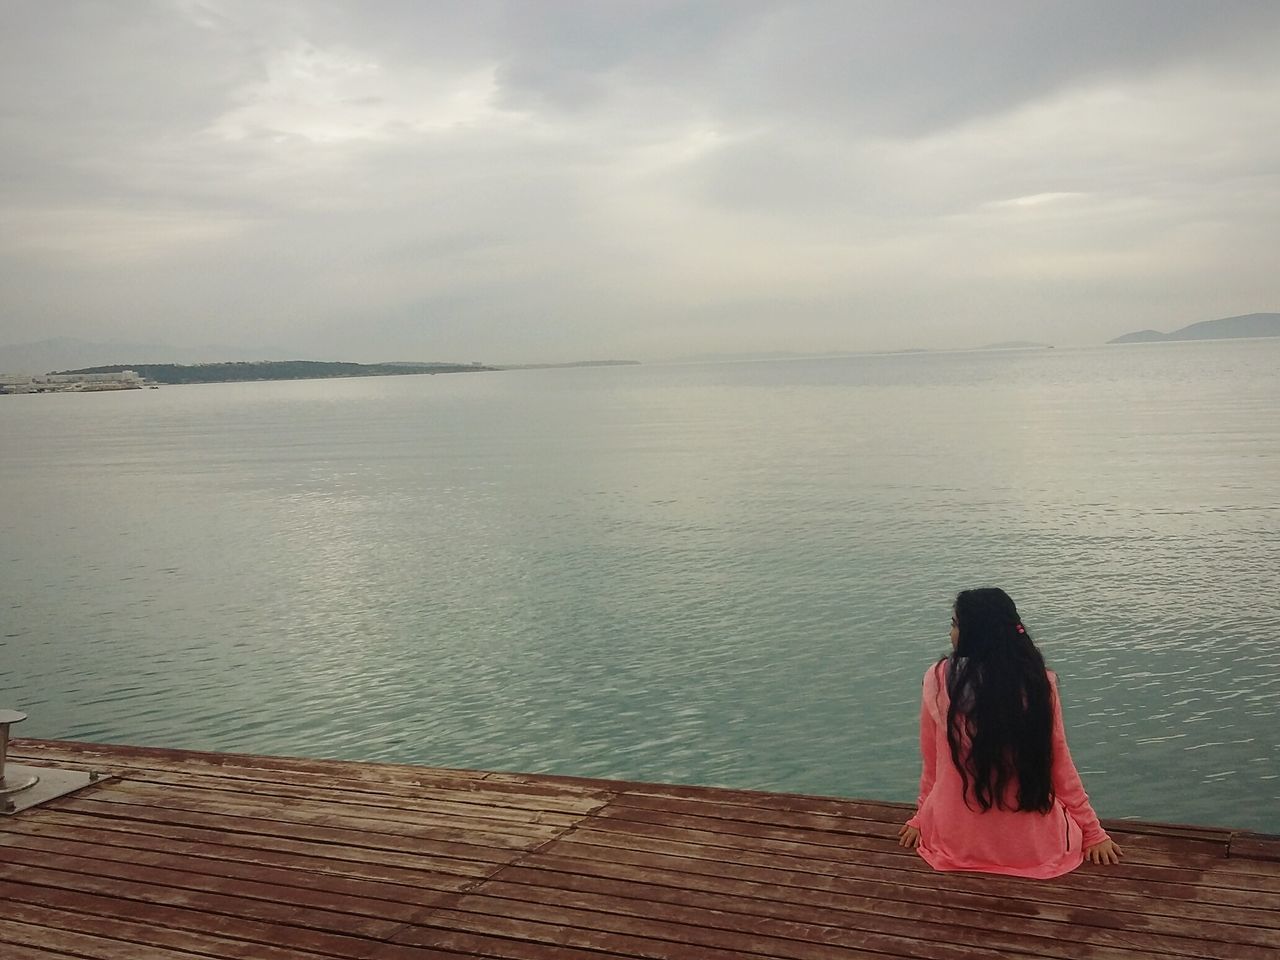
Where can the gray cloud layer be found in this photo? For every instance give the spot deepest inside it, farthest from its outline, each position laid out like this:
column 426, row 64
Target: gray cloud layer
column 523, row 181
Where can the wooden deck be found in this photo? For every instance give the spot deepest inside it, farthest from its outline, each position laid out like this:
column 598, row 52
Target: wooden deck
column 196, row 856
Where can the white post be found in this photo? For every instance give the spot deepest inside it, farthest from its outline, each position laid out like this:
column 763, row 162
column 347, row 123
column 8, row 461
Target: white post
column 7, row 717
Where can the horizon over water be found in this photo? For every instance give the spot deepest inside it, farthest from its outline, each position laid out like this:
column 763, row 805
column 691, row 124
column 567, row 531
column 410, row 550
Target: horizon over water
column 727, row 573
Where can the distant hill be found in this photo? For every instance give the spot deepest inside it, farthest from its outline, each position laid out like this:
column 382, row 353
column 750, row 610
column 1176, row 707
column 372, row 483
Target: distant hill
column 1228, row 328
column 275, row 370
column 1017, row 345
column 59, row 353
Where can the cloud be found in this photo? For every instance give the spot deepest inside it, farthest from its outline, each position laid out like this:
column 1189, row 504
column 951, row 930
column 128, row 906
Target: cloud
column 508, row 181
column 1039, row 199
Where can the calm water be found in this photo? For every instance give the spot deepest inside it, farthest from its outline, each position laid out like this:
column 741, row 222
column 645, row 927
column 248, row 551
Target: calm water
column 719, row 573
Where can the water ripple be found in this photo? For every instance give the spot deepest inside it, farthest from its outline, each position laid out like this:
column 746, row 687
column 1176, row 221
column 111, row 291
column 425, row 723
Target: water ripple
column 729, row 574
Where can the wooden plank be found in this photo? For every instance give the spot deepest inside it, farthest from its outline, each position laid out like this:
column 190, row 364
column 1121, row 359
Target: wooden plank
column 272, row 806
column 1013, row 896
column 553, row 935
column 150, row 935
column 214, row 917
column 1187, row 831
column 682, row 929
column 83, row 945
column 115, row 812
column 796, row 801
column 478, row 798
column 475, row 793
column 250, row 815
column 209, row 846
column 766, row 896
column 704, row 857
column 102, row 877
column 837, row 860
column 126, row 755
column 718, row 922
column 1169, row 853
column 885, row 812
column 880, row 811
column 740, row 908
column 1255, row 846
column 346, row 859
column 708, row 809
column 251, row 876
column 1139, row 862
column 783, row 803
column 14, row 952
column 521, row 823
column 479, row 945
column 473, row 804
column 363, row 910
column 1210, row 842
column 387, row 781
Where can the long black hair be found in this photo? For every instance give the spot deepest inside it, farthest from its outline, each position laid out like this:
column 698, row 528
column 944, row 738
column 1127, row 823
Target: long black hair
column 1001, row 702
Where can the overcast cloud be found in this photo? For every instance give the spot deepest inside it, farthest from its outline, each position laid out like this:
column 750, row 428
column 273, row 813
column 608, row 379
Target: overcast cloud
column 536, row 180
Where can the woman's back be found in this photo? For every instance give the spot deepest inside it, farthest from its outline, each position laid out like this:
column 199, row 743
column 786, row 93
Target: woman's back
column 956, row 834
column 998, row 790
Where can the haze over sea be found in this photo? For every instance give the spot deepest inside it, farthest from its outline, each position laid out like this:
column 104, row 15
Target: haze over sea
column 721, row 573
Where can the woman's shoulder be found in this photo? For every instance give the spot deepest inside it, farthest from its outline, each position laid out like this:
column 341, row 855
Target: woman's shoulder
column 1054, row 695
column 935, row 690
column 936, row 676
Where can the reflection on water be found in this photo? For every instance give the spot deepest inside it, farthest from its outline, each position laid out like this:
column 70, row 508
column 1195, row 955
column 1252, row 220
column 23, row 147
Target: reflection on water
column 721, row 573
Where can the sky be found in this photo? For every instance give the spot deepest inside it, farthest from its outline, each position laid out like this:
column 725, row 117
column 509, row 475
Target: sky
column 539, row 180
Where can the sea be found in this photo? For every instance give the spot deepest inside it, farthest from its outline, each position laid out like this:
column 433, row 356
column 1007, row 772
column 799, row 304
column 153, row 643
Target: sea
column 728, row 573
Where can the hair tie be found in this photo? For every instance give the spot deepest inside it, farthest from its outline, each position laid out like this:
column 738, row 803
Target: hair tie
column 1020, row 628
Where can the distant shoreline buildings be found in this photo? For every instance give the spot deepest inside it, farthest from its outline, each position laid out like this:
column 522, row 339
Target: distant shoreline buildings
column 70, row 382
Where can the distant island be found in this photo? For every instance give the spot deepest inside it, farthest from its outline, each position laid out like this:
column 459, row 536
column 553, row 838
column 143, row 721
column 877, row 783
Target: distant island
column 174, row 373
column 1228, row 328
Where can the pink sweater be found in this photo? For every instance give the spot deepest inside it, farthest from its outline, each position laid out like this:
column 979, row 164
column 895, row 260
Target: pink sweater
column 954, row 836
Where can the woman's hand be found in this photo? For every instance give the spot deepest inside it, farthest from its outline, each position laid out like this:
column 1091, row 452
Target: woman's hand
column 908, row 837
column 1105, row 852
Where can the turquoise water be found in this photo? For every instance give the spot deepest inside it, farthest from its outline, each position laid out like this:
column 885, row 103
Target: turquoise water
column 725, row 573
